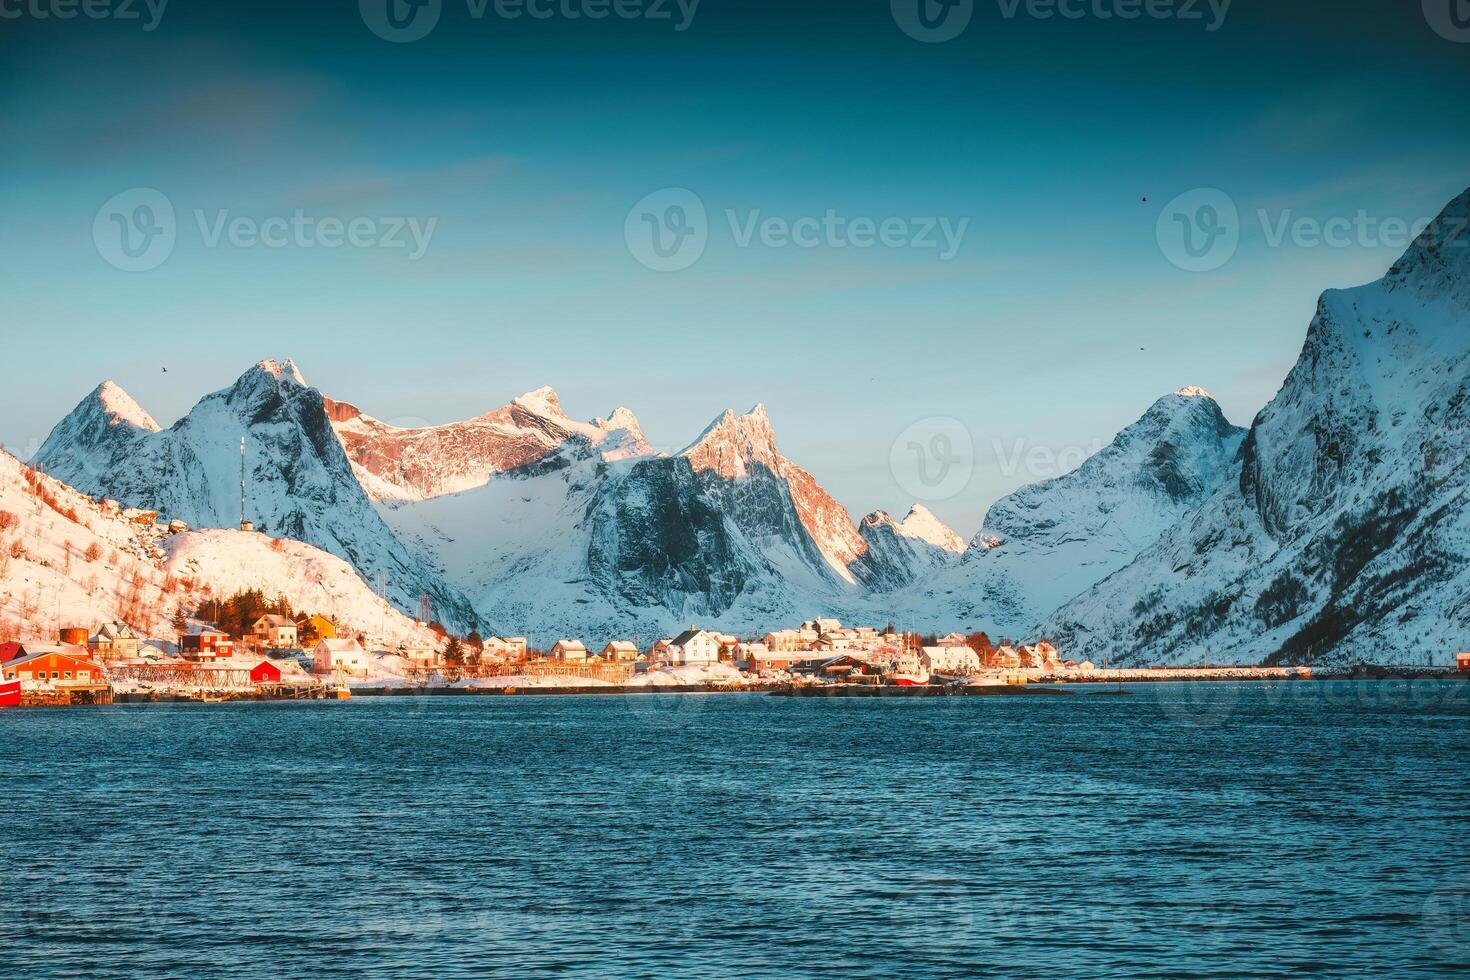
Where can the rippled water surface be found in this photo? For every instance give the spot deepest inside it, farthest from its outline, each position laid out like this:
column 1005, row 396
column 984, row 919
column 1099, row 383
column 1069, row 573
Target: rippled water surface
column 1214, row 830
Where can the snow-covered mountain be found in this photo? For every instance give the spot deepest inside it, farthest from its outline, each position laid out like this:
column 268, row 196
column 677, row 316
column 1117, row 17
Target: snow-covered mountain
column 1346, row 531
column 728, row 533
column 66, row 560
column 901, row 552
column 1050, row 541
column 395, row 463
column 299, row 482
column 800, row 529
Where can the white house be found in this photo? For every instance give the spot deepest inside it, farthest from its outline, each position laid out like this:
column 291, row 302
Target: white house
column 274, row 632
column 952, row 640
column 344, row 655
column 620, row 651
column 116, row 641
column 951, row 660
column 783, row 641
column 693, row 646
column 419, row 654
column 569, row 650
column 515, row 647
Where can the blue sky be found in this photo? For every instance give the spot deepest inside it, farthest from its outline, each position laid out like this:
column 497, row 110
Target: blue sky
column 1057, row 322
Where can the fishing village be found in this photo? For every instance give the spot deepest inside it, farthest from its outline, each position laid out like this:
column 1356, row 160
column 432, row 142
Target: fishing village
column 282, row 658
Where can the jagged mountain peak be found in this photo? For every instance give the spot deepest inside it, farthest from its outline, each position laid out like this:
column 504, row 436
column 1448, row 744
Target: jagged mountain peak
column 1194, row 391
column 1437, row 264
column 733, row 443
column 119, row 407
column 922, row 524
column 543, row 401
column 284, row 370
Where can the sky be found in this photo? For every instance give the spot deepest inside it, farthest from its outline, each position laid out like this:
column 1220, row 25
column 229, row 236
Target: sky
column 901, row 242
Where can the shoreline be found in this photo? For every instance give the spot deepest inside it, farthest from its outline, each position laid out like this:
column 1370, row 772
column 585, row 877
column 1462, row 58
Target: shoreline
column 1022, row 683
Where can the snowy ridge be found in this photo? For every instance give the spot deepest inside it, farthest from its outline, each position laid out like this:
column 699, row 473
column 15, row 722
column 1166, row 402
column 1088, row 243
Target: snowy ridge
column 796, row 524
column 395, row 463
column 1048, row 542
column 900, row 552
column 299, row 481
column 82, row 564
column 1346, row 534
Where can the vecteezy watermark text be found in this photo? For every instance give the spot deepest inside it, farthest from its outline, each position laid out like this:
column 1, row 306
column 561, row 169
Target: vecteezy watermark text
column 937, row 21
column 669, row 230
column 148, row 12
column 403, row 21
column 302, row 230
column 136, row 230
column 1200, row 230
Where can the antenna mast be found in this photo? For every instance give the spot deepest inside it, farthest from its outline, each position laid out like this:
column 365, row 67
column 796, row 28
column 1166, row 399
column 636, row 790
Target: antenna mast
column 244, row 524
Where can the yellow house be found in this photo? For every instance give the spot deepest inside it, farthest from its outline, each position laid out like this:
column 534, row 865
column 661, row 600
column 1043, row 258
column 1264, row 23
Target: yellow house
column 319, row 626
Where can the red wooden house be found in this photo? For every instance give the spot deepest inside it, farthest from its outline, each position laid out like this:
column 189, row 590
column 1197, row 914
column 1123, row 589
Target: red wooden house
column 9, row 651
column 207, row 644
column 53, row 668
column 265, row 672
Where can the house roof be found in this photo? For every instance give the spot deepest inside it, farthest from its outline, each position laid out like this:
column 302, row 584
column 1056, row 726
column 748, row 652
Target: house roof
column 620, row 645
column 117, row 631
column 273, row 622
column 341, row 645
column 10, row 651
column 32, row 657
column 688, row 635
column 570, row 644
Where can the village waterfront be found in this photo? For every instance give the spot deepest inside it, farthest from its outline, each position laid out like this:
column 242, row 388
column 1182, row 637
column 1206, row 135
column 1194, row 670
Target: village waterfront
column 1226, row 829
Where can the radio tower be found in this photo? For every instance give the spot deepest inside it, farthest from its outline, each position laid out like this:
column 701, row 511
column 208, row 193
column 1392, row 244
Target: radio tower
column 244, row 524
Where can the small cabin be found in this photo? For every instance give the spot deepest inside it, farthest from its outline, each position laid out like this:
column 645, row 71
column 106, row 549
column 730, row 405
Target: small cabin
column 274, row 632
column 620, row 652
column 339, row 655
column 1462, row 661
column 569, row 650
column 265, row 672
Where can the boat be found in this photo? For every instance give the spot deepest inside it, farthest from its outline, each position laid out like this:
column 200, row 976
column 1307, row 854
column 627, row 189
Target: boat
column 10, row 694
column 909, row 679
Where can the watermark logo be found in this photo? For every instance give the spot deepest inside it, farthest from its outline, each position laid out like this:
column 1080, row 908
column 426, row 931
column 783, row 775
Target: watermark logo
column 135, row 230
column 933, row 21
column 149, row 13
column 1447, row 919
column 1199, row 231
column 400, row 21
column 668, row 230
column 933, row 459
column 1211, row 13
column 1450, row 19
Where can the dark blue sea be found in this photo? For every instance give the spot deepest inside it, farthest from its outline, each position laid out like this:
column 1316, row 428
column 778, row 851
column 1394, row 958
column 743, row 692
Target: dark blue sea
column 1210, row 830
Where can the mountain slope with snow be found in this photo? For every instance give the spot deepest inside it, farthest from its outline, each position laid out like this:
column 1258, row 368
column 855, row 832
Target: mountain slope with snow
column 1050, row 541
column 901, row 552
column 418, row 463
column 1346, row 533
column 299, row 481
column 66, row 560
column 800, row 529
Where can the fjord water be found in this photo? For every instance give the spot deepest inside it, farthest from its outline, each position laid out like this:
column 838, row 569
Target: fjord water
column 1216, row 830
